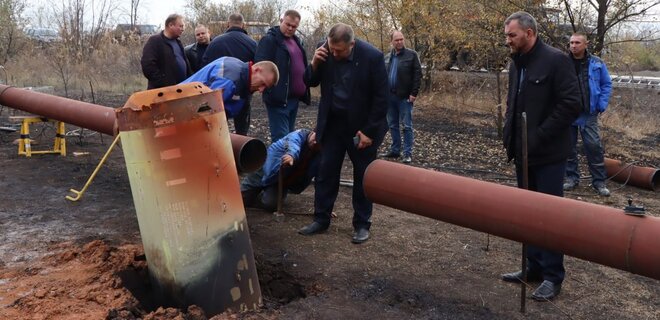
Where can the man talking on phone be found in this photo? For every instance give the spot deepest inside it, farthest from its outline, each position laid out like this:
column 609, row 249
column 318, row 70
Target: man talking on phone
column 351, row 120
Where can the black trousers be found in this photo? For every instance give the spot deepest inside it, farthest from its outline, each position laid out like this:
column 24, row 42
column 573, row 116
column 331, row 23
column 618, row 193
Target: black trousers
column 548, row 179
column 337, row 141
column 242, row 119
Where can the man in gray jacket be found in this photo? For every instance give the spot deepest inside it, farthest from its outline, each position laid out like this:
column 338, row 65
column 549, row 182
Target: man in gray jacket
column 404, row 78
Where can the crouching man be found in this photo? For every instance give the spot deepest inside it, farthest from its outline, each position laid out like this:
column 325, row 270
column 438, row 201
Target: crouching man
column 296, row 157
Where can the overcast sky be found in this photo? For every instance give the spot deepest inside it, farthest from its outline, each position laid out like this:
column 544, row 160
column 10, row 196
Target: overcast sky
column 155, row 11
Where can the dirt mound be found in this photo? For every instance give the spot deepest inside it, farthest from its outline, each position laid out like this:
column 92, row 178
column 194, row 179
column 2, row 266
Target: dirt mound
column 73, row 282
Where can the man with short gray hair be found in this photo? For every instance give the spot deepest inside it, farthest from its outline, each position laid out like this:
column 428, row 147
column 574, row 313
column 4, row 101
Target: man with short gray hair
column 543, row 85
column 351, row 120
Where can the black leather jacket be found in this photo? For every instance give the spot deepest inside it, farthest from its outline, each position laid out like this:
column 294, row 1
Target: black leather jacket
column 409, row 73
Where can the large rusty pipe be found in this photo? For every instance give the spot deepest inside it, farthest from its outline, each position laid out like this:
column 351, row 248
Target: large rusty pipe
column 588, row 231
column 643, row 177
column 249, row 153
column 86, row 115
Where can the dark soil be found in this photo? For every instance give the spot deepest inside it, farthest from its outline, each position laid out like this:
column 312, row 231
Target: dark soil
column 84, row 260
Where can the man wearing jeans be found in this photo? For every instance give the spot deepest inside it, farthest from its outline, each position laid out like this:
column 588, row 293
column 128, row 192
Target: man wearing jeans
column 404, row 77
column 281, row 46
column 595, row 88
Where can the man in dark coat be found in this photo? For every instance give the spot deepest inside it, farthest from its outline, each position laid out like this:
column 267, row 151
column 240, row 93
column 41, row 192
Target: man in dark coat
column 281, row 46
column 351, row 120
column 542, row 83
column 163, row 60
column 195, row 52
column 236, row 43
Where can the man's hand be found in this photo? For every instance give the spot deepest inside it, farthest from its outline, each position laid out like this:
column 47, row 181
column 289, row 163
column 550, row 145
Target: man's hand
column 287, row 160
column 320, row 56
column 364, row 141
column 411, row 99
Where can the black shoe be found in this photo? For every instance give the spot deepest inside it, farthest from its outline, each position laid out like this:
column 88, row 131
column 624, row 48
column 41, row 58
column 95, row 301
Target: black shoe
column 312, row 228
column 517, row 276
column 546, row 291
column 360, row 235
column 389, row 155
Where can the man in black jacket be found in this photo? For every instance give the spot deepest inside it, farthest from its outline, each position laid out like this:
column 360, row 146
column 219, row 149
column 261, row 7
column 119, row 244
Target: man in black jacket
column 163, row 60
column 195, row 52
column 236, row 43
column 281, row 46
column 542, row 83
column 404, row 77
column 351, row 120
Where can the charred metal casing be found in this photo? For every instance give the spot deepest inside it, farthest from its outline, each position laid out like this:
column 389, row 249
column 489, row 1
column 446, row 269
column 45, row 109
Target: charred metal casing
column 186, row 191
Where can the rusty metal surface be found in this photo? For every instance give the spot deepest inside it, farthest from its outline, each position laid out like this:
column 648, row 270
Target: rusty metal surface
column 250, row 153
column 186, row 193
column 643, row 177
column 588, row 231
column 87, row 115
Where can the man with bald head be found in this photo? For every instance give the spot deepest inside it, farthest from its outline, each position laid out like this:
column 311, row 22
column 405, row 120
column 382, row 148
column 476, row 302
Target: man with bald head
column 351, row 119
column 195, row 52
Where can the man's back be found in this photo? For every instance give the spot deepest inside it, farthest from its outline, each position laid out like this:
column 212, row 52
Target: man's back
column 233, row 43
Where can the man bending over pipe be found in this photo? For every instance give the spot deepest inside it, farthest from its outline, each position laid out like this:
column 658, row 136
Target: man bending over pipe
column 237, row 79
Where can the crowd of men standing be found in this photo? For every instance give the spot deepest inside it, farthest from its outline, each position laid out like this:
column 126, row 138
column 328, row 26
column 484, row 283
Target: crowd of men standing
column 364, row 92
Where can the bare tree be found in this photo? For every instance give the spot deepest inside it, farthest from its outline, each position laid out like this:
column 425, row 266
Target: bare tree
column 10, row 12
column 135, row 5
column 82, row 24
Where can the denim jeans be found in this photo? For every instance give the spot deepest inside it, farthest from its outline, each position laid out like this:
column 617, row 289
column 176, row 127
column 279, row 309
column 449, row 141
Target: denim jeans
column 593, row 149
column 400, row 110
column 282, row 120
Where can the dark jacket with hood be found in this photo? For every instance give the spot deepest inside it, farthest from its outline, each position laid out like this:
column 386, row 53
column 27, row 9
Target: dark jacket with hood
column 543, row 84
column 272, row 48
column 235, row 42
column 159, row 63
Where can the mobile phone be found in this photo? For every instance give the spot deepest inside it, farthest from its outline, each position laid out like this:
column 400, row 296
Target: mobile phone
column 326, row 46
column 356, row 140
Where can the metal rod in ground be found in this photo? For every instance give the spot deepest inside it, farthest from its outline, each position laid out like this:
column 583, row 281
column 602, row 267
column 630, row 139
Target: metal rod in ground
column 525, row 185
column 280, row 187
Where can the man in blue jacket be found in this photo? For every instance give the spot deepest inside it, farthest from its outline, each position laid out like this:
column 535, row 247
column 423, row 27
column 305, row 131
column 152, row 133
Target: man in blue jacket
column 236, row 43
column 351, row 119
column 595, row 88
column 237, row 79
column 296, row 156
column 281, row 46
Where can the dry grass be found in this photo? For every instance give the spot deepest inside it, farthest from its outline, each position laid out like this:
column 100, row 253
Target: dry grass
column 632, row 114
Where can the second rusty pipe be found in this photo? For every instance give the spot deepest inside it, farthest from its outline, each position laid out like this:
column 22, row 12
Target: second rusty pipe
column 643, row 177
column 249, row 153
column 601, row 234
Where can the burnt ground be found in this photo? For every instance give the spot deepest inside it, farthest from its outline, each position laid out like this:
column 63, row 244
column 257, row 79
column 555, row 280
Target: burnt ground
column 84, row 260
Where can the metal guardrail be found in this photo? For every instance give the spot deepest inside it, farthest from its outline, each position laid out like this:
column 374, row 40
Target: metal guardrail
column 636, row 82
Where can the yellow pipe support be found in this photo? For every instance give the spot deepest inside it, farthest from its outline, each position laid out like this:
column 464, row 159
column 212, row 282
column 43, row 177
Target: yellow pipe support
column 96, row 170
